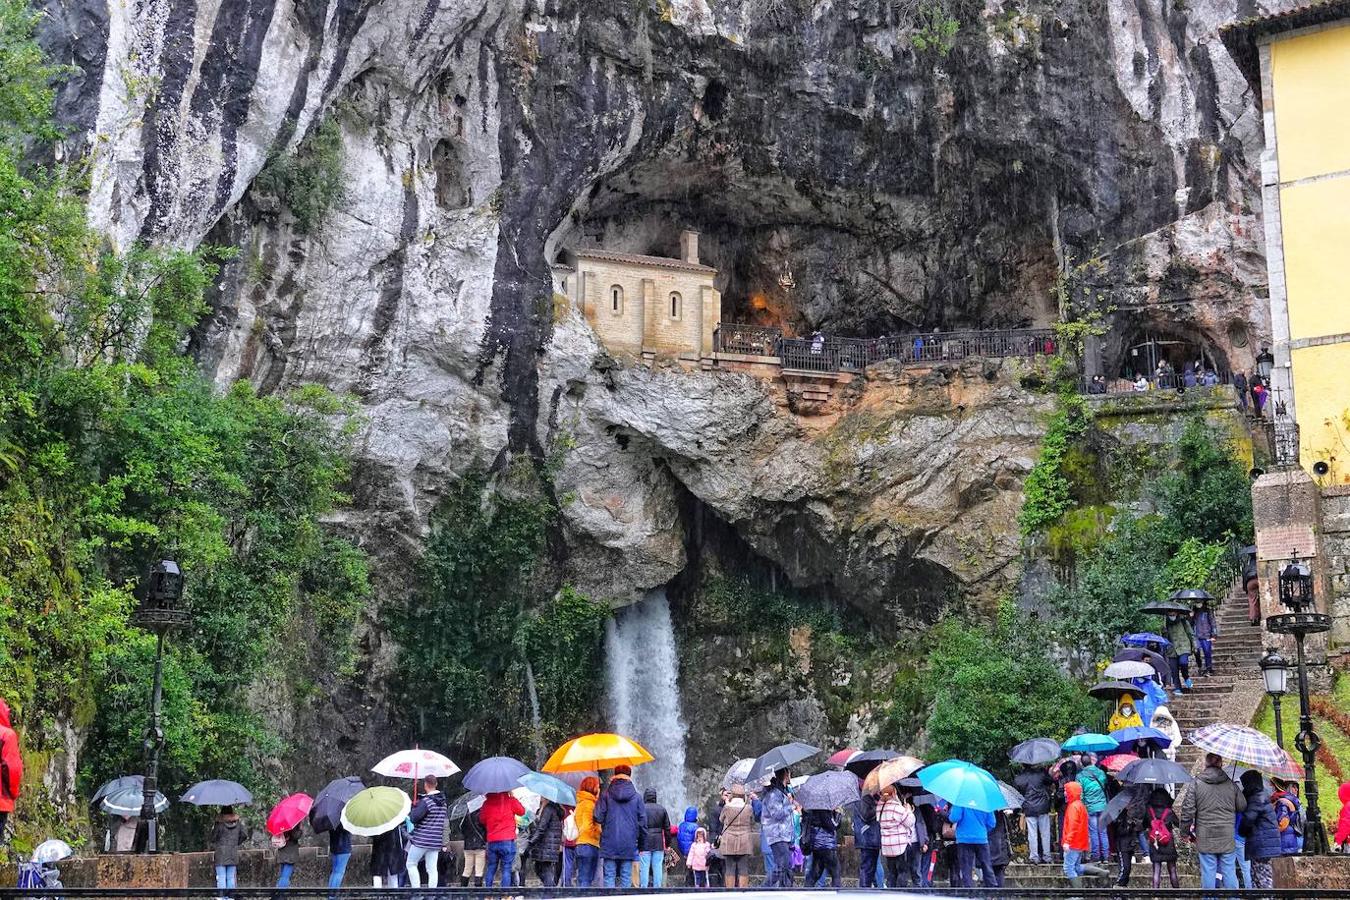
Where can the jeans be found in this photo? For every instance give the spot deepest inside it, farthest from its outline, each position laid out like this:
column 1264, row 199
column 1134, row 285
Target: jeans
column 651, row 868
column 766, row 853
column 1073, row 863
column 569, row 866
column 1206, row 653
column 415, row 855
column 867, row 867
column 700, row 878
column 618, row 873
column 588, row 858
column 1212, row 864
column 918, row 870
column 823, row 861
column 967, row 857
column 1244, row 864
column 500, row 854
column 1038, row 837
column 782, row 865
column 1097, row 843
column 339, row 870
column 227, row 877
column 284, row 875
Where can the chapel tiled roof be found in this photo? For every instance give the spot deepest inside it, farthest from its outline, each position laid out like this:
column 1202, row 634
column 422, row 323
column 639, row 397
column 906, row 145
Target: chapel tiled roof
column 639, row 259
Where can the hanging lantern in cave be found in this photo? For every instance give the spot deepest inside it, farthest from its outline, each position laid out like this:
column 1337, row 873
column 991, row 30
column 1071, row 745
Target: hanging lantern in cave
column 785, row 279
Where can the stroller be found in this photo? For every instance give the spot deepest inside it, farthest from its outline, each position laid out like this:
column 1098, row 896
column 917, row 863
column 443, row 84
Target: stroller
column 40, row 876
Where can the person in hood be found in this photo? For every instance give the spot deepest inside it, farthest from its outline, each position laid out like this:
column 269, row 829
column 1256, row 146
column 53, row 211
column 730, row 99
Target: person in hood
column 1343, row 823
column 1182, row 637
column 428, row 818
column 684, row 837
column 1164, row 721
column 588, row 831
column 778, row 828
column 867, row 838
column 1074, row 838
column 11, row 767
column 1211, row 807
column 652, row 847
column 700, row 848
column 622, row 817
column 1206, row 628
column 1261, row 830
column 498, row 815
column 1093, row 780
column 1037, row 789
column 1161, row 835
column 820, row 836
column 1289, row 813
column 544, row 845
column 737, row 839
column 228, row 834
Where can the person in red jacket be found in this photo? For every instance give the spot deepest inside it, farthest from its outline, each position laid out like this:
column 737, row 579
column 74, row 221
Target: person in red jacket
column 1343, row 824
column 11, row 767
column 498, row 816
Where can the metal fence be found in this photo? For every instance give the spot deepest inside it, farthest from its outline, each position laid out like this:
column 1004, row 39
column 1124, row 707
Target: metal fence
column 1171, row 381
column 1284, row 449
column 821, row 353
column 508, row 893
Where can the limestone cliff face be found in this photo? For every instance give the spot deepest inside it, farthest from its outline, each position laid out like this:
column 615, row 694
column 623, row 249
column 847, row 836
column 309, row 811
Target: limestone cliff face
column 900, row 187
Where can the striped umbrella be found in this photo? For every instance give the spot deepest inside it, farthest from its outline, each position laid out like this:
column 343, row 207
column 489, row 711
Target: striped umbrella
column 1240, row 744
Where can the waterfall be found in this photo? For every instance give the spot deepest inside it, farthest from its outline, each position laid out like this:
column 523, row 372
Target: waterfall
column 536, row 721
column 642, row 671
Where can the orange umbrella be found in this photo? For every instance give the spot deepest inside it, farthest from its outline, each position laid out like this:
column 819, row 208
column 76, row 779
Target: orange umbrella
column 891, row 771
column 592, row 752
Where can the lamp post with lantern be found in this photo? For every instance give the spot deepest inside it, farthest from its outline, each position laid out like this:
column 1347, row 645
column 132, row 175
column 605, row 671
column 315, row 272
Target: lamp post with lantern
column 1275, row 673
column 158, row 612
column 1296, row 593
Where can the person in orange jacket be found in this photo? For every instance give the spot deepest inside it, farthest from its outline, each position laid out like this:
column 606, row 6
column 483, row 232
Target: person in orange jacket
column 1075, row 841
column 1343, row 824
column 11, row 767
column 588, row 831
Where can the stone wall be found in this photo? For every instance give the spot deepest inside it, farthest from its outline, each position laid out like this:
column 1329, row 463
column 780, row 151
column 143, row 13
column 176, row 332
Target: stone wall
column 1336, row 553
column 644, row 320
column 1159, row 417
column 1324, row 873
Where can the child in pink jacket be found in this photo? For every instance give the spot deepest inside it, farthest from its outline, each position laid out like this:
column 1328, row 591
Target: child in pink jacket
column 697, row 858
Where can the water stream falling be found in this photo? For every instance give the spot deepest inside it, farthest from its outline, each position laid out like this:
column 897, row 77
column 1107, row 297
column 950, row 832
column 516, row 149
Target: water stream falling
column 642, row 671
column 536, row 721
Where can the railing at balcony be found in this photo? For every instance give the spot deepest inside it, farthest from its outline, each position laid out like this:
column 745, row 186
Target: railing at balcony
column 820, row 353
column 1283, row 434
column 1169, row 381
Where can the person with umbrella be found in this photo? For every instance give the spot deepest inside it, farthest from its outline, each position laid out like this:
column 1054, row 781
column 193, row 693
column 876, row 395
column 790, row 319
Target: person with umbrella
column 588, row 831
column 1093, row 780
column 228, row 834
column 1260, row 829
column 1211, row 807
column 1162, row 837
column 429, row 817
column 1129, row 823
column 1181, row 636
column 287, row 845
column 498, row 815
column 545, row 842
column 972, row 845
column 867, row 838
column 325, row 814
column 776, row 824
column 896, row 819
column 622, row 816
column 820, row 835
column 1037, row 789
column 1206, row 629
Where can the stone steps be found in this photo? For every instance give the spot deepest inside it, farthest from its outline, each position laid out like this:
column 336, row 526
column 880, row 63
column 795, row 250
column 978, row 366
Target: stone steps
column 1025, row 875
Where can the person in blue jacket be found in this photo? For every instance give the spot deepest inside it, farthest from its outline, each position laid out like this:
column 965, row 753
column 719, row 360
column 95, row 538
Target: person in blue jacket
column 972, row 845
column 867, row 838
column 688, row 828
column 778, row 827
column 622, row 817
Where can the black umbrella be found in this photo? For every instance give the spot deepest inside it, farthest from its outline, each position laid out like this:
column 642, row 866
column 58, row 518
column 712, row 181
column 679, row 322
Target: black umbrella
column 780, row 757
column 1139, row 654
column 1035, row 752
column 864, row 762
column 1191, row 595
column 126, row 782
column 495, row 775
column 828, row 790
column 925, row 800
column 217, row 792
column 910, row 783
column 1156, row 770
column 1137, row 792
column 467, row 803
column 1110, row 690
column 326, row 813
column 1163, row 607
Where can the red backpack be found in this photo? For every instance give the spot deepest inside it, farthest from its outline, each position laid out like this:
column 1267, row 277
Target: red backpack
column 1159, row 835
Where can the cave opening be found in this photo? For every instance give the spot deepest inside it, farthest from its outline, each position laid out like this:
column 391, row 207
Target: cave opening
column 1151, row 348
column 452, row 188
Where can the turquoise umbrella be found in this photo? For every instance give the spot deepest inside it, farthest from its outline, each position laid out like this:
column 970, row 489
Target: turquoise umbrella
column 963, row 784
column 550, row 788
column 1090, row 743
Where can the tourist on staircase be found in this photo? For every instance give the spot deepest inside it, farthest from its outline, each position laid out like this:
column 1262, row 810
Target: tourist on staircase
column 1261, row 830
column 1130, row 824
column 1074, row 838
column 1093, row 780
column 1180, row 650
column 1162, row 837
column 622, row 817
column 1164, row 721
column 1206, row 629
column 972, row 845
column 1208, row 814
column 1037, row 790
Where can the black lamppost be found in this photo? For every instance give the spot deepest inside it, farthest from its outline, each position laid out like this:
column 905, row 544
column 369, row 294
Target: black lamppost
column 1296, row 592
column 1275, row 672
column 1265, row 364
column 158, row 612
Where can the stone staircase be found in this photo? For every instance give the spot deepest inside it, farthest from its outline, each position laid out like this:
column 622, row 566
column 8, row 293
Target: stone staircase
column 1026, row 876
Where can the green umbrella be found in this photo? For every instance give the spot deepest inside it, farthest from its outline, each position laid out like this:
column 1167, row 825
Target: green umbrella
column 375, row 811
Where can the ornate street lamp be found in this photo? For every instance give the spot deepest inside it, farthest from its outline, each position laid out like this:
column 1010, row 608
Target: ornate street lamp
column 1275, row 672
column 1265, row 364
column 158, row 613
column 1296, row 593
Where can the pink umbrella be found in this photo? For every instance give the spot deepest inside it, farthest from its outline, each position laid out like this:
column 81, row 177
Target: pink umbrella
column 840, row 759
column 289, row 813
column 1117, row 761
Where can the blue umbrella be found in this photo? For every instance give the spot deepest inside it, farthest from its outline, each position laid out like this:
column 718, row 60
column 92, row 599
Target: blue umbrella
column 963, row 784
column 326, row 813
column 218, row 792
column 1091, row 743
column 549, row 788
column 1141, row 733
column 1144, row 638
column 495, row 775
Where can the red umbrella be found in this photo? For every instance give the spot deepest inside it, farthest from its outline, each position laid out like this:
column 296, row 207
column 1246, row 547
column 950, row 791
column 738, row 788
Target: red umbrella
column 289, row 813
column 842, row 757
column 1117, row 761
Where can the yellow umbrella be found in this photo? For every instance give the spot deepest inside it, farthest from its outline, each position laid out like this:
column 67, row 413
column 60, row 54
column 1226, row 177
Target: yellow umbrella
column 889, row 772
column 592, row 752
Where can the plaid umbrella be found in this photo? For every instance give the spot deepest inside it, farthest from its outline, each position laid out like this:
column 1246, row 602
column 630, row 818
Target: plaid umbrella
column 1240, row 744
column 1290, row 769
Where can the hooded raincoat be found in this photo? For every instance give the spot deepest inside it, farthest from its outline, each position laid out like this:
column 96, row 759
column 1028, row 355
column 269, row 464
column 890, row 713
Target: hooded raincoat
column 622, row 817
column 688, row 828
column 11, row 762
column 1075, row 835
column 1343, row 823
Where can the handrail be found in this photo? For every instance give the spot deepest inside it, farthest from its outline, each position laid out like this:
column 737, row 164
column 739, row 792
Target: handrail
column 822, row 353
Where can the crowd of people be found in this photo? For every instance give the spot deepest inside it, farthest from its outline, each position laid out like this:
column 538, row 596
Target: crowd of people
column 1251, row 389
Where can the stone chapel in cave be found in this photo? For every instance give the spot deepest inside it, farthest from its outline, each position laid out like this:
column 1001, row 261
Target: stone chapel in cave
column 645, row 305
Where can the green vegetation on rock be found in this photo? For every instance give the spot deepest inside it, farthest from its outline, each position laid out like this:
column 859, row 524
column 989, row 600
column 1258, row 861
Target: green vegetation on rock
column 310, row 181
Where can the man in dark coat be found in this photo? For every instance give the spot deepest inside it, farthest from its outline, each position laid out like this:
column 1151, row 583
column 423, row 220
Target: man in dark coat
column 652, row 846
column 867, row 838
column 1210, row 809
column 622, row 817
column 1037, row 789
column 545, row 843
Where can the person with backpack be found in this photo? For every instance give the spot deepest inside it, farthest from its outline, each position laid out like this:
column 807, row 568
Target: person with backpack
column 1093, row 780
column 1261, row 830
column 11, row 767
column 1162, row 838
column 429, row 818
column 867, row 838
column 820, row 834
column 1130, row 824
column 652, row 846
column 1289, row 816
column 569, row 848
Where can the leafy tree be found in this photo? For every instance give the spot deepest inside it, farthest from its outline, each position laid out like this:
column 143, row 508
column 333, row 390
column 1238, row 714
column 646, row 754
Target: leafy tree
column 1207, row 495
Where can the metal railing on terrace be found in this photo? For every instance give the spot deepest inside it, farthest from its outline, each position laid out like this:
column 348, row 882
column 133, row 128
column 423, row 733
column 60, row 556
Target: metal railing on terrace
column 821, row 353
column 1169, row 381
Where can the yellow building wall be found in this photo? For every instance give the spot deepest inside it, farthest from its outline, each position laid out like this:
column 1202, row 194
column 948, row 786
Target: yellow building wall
column 1316, row 236
column 641, row 326
column 1311, row 75
column 1320, row 387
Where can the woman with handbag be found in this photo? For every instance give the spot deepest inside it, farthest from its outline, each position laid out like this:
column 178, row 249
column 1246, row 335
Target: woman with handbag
column 736, row 841
column 897, row 836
